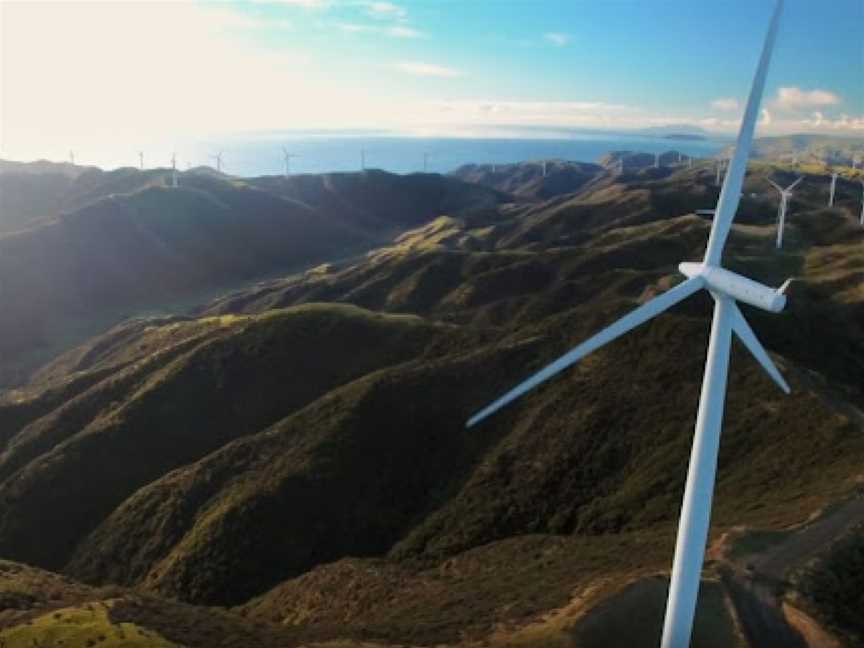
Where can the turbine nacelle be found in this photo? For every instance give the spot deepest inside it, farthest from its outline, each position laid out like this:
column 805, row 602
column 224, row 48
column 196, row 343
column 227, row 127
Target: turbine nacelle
column 738, row 287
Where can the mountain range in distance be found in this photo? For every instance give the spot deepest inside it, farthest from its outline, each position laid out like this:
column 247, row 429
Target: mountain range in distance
column 283, row 460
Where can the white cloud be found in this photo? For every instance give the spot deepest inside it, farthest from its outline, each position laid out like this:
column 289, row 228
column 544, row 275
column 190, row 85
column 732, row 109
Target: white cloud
column 793, row 98
column 766, row 118
column 726, row 104
column 398, row 31
column 428, row 70
column 403, row 32
column 306, row 4
column 557, row 38
column 386, row 10
column 354, row 28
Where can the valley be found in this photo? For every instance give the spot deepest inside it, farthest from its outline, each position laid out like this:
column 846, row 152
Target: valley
column 286, row 464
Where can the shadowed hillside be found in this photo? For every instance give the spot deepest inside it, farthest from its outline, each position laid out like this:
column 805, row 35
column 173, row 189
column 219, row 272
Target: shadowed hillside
column 527, row 180
column 114, row 243
column 297, row 449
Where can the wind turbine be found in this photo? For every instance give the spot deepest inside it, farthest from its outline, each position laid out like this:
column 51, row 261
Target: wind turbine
column 833, row 188
column 141, row 160
column 689, row 162
column 543, row 163
column 719, row 170
column 72, row 158
column 726, row 288
column 218, row 158
column 288, row 157
column 861, row 222
column 174, row 170
column 785, row 195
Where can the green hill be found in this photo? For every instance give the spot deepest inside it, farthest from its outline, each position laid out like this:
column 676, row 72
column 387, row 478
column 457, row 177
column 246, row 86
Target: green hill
column 297, row 450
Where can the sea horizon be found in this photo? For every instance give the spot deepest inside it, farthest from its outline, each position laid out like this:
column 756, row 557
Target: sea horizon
column 260, row 154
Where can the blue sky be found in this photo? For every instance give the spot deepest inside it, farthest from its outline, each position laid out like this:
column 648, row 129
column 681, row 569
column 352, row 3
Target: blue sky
column 439, row 67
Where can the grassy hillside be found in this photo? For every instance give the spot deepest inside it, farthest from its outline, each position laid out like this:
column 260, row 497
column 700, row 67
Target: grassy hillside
column 526, row 179
column 831, row 150
column 298, row 450
column 99, row 246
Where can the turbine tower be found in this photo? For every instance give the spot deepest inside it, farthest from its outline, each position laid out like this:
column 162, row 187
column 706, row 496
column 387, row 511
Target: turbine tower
column 141, row 160
column 288, row 157
column 726, row 288
column 72, row 158
column 218, row 158
column 785, row 195
column 861, row 221
column 719, row 171
column 174, row 170
column 689, row 161
column 833, row 188
column 544, row 168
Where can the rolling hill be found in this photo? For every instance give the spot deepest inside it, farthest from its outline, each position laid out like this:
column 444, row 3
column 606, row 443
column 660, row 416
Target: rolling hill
column 121, row 242
column 289, row 466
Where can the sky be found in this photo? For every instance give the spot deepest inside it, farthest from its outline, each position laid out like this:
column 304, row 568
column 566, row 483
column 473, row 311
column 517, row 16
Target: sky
column 125, row 71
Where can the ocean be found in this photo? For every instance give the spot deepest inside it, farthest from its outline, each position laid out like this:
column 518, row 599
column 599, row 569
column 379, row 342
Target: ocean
column 261, row 154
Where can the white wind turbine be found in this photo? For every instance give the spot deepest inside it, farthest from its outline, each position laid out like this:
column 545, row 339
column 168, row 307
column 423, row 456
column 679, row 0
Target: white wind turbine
column 218, row 158
column 726, row 288
column 785, row 195
column 861, row 222
column 72, row 158
column 141, row 160
column 833, row 188
column 174, row 170
column 288, row 157
column 543, row 163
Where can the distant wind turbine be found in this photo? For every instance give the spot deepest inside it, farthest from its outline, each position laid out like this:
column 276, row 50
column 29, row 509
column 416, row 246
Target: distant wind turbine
column 719, row 170
column 544, row 168
column 288, row 157
column 174, row 170
column 833, row 188
column 785, row 195
column 141, row 160
column 726, row 288
column 72, row 158
column 861, row 222
column 218, row 158
column 689, row 162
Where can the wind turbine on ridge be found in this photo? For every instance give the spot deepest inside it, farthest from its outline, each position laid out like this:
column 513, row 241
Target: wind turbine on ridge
column 218, row 158
column 833, row 188
column 174, row 170
column 785, row 195
column 861, row 221
column 288, row 157
column 726, row 288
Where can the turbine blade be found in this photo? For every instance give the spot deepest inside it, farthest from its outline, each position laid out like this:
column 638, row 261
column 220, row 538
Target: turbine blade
column 794, row 184
column 775, row 185
column 630, row 321
column 730, row 194
column 748, row 337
